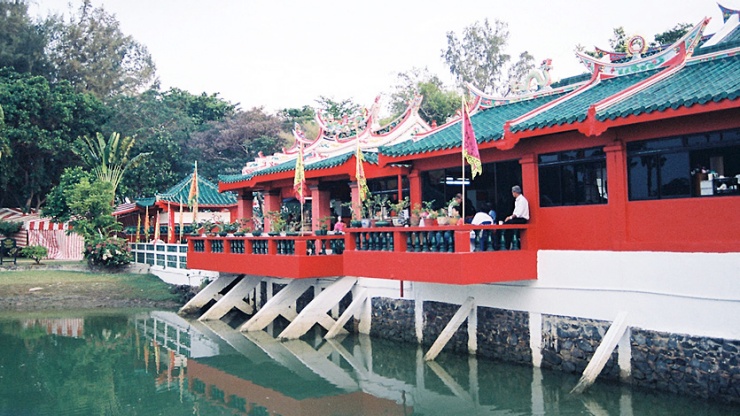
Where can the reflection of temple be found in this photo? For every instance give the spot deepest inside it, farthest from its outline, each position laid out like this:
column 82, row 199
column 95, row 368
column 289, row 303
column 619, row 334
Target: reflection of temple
column 257, row 374
column 66, row 327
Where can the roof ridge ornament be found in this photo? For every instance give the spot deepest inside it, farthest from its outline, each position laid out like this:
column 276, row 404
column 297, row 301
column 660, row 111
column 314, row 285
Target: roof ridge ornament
column 541, row 77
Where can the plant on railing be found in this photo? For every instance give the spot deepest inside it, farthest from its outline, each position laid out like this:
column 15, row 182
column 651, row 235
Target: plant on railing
column 398, row 207
column 107, row 253
column 277, row 222
column 324, row 223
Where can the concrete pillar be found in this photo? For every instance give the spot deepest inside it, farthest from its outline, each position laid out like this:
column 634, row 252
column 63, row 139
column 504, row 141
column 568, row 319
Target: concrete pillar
column 415, row 187
column 616, row 168
column 530, row 187
column 170, row 225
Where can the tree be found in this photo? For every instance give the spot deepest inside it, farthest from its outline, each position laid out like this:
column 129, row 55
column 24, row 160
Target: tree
column 92, row 53
column 90, row 204
column 23, row 41
column 226, row 146
column 479, row 57
column 109, row 159
column 438, row 104
column 337, row 109
column 670, row 36
column 42, row 120
column 57, row 206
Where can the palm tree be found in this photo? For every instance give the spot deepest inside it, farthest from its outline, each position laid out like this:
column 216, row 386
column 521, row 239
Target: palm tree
column 109, row 160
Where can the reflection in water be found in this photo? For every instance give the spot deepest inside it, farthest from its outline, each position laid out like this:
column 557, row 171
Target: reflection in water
column 160, row 364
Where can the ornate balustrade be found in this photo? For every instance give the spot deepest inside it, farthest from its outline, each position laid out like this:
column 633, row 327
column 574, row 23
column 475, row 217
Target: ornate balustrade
column 462, row 254
column 280, row 256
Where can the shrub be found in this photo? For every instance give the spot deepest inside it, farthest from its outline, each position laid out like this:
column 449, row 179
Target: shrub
column 8, row 228
column 37, row 253
column 108, row 253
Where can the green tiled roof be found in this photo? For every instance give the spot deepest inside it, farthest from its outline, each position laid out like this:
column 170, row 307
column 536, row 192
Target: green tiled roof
column 575, row 109
column 331, row 162
column 697, row 83
column 208, row 194
column 146, row 202
column 488, row 125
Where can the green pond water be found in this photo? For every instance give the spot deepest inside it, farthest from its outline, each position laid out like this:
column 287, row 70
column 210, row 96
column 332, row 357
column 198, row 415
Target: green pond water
column 156, row 363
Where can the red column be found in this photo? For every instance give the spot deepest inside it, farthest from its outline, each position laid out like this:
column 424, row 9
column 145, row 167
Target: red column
column 356, row 204
column 415, row 187
column 272, row 203
column 531, row 190
column 244, row 208
column 320, row 205
column 617, row 183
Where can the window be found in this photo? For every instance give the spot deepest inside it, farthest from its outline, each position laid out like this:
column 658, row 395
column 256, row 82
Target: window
column 574, row 177
column 684, row 166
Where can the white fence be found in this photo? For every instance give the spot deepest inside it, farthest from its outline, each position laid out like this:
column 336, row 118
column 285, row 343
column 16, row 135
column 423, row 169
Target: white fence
column 165, row 255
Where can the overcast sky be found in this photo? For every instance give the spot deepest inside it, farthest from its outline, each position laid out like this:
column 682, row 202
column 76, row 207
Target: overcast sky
column 281, row 54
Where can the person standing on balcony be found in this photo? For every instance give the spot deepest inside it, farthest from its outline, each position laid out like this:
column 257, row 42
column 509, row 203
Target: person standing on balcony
column 520, row 214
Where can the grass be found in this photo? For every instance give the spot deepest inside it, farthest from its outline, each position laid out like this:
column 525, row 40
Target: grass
column 62, row 283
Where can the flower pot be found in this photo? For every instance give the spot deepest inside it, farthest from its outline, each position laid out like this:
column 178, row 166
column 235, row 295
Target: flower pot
column 366, row 223
column 415, row 220
column 443, row 220
column 355, row 223
column 381, row 223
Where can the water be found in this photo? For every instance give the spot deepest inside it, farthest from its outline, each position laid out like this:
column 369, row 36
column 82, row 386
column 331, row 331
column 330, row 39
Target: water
column 159, row 364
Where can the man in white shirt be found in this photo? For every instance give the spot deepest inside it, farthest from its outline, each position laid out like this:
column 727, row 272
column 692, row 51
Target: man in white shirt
column 520, row 214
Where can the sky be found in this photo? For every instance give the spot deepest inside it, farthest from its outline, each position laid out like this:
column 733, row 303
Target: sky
column 285, row 54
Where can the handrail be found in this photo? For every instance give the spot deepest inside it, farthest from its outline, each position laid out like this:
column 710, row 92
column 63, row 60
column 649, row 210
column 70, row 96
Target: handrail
column 442, row 239
column 305, row 245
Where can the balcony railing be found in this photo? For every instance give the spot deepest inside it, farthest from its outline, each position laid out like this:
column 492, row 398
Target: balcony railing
column 280, row 256
column 443, row 254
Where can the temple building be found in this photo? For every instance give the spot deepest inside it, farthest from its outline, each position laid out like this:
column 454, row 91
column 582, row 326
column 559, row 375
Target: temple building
column 632, row 245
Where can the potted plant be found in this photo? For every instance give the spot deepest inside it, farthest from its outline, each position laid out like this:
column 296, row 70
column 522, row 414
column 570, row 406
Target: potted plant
column 416, row 212
column 277, row 223
column 324, row 223
column 442, row 218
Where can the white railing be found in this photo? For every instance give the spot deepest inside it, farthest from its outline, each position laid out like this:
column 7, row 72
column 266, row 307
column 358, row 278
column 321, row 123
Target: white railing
column 165, row 255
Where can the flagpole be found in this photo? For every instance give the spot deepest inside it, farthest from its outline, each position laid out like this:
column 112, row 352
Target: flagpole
column 462, row 135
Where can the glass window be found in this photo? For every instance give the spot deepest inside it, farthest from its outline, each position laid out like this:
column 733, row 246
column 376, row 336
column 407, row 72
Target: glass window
column 680, row 167
column 575, row 177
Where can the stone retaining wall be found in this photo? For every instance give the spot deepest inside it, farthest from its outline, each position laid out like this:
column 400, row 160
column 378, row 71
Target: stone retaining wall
column 700, row 366
column 436, row 316
column 504, row 335
column 569, row 343
column 393, row 319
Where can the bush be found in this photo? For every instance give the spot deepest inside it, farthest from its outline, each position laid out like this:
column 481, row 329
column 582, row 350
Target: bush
column 8, row 228
column 108, row 253
column 37, row 253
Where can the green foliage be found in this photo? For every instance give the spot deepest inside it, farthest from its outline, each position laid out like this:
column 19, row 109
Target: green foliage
column 92, row 53
column 90, row 204
column 108, row 253
column 478, row 57
column 37, row 253
column 42, row 120
column 23, row 40
column 246, row 133
column 670, row 36
column 8, row 228
column 439, row 102
column 108, row 159
column 57, row 206
column 337, row 108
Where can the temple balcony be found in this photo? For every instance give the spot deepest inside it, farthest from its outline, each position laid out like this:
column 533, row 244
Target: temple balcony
column 442, row 254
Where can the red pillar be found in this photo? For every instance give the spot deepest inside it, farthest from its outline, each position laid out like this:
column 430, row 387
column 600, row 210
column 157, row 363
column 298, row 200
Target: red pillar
column 244, row 208
column 415, row 187
column 320, row 205
column 616, row 168
column 530, row 188
column 272, row 203
column 356, row 204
